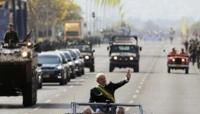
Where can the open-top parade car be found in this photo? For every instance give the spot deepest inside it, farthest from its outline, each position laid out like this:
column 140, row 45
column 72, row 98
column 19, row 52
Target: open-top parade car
column 77, row 108
column 178, row 61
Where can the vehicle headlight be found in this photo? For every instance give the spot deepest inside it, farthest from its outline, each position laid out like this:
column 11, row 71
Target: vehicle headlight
column 76, row 61
column 24, row 54
column 29, row 44
column 173, row 60
column 115, row 57
column 131, row 58
column 38, row 69
column 183, row 60
column 87, row 57
column 59, row 67
column 70, row 63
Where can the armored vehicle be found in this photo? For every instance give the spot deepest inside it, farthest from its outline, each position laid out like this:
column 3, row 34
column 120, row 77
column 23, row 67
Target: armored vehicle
column 124, row 52
column 18, row 63
column 87, row 53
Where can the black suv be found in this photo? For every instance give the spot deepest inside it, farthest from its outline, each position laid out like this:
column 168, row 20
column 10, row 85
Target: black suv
column 124, row 52
column 54, row 69
column 87, row 53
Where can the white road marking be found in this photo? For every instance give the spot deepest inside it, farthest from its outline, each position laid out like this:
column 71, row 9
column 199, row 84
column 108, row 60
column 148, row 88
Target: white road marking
column 141, row 83
column 134, row 96
column 139, row 87
column 126, row 109
column 48, row 101
column 132, row 101
column 71, row 86
column 137, row 91
column 65, row 90
column 57, row 95
column 37, row 108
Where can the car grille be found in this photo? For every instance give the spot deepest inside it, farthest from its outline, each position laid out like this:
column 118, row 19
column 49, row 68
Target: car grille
column 122, row 58
column 178, row 61
column 48, row 68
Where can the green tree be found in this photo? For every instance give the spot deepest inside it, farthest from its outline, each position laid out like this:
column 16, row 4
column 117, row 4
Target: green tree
column 46, row 15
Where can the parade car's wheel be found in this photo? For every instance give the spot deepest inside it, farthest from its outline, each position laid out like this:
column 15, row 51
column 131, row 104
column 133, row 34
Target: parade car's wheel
column 30, row 93
column 168, row 70
column 186, row 70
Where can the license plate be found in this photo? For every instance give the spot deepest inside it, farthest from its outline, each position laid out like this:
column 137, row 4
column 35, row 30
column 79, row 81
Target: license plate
column 45, row 76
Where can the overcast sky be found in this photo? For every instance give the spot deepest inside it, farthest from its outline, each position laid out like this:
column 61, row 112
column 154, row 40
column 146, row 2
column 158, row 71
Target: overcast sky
column 159, row 9
column 162, row 9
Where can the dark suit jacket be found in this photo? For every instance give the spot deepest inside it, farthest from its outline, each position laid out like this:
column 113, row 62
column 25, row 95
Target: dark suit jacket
column 97, row 96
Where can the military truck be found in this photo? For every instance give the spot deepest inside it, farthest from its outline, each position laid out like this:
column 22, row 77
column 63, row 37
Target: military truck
column 18, row 63
column 87, row 53
column 124, row 52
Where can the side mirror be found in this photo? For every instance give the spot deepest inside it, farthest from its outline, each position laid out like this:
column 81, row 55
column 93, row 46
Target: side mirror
column 64, row 62
column 108, row 48
column 140, row 48
column 93, row 51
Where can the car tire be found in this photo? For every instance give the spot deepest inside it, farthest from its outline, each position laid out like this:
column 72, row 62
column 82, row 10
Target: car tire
column 169, row 70
column 136, row 69
column 111, row 68
column 92, row 68
column 186, row 70
column 83, row 71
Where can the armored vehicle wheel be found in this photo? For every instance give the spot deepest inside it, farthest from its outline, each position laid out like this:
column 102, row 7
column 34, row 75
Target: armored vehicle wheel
column 111, row 68
column 136, row 69
column 186, row 70
column 168, row 70
column 30, row 93
column 92, row 68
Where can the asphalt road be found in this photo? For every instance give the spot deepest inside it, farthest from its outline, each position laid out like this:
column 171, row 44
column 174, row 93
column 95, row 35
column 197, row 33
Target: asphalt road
column 156, row 90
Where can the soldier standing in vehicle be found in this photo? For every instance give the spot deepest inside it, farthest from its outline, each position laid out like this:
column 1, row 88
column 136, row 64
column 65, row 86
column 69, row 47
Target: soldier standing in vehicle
column 104, row 93
column 173, row 52
column 11, row 36
column 183, row 53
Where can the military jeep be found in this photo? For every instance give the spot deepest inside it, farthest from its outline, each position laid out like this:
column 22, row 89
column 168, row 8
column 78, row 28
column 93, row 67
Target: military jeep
column 124, row 52
column 87, row 53
column 18, row 65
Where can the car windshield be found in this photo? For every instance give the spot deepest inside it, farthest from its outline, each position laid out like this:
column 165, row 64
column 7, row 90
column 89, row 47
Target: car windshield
column 73, row 54
column 84, row 48
column 68, row 56
column 48, row 59
column 124, row 48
